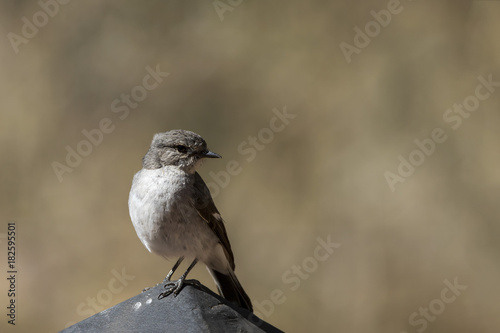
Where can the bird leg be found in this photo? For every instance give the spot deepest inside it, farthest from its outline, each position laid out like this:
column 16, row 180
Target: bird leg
column 176, row 286
column 169, row 275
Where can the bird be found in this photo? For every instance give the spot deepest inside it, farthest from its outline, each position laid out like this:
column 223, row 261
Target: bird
column 174, row 215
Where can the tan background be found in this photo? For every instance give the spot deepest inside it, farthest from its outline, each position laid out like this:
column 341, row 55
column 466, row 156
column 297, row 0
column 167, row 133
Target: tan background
column 322, row 175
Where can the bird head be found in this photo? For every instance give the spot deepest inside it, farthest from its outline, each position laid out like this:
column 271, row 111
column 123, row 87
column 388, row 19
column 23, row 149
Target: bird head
column 180, row 148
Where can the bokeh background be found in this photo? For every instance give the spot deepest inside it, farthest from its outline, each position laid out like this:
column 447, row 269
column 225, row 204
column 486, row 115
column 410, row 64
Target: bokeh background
column 322, row 176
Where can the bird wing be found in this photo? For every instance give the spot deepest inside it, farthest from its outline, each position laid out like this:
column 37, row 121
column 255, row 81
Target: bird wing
column 205, row 207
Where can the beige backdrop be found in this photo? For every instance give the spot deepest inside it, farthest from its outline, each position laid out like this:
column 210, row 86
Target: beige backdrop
column 360, row 143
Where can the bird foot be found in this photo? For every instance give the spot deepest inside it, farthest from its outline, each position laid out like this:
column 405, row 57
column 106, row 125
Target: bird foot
column 175, row 287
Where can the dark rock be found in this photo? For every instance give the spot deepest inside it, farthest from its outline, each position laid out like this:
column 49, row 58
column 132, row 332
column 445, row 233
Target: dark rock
column 195, row 309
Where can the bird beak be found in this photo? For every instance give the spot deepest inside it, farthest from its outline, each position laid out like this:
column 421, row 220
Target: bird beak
column 210, row 154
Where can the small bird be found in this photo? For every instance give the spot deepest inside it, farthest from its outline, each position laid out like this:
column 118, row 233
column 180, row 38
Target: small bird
column 174, row 214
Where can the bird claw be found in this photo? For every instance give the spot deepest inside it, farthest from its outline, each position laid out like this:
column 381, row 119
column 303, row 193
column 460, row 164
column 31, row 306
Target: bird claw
column 175, row 287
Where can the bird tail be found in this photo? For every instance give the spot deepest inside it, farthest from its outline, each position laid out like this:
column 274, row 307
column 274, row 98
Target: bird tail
column 230, row 288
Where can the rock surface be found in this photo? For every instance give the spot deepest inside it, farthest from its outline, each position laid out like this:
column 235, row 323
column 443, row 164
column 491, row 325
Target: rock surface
column 195, row 309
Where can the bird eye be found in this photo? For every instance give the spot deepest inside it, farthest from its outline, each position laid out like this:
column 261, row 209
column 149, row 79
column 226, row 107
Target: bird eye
column 181, row 149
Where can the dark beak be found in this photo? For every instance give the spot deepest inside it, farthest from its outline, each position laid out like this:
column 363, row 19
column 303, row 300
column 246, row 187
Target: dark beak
column 210, row 154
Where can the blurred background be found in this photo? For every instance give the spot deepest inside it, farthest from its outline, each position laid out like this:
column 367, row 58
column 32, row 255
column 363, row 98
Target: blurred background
column 319, row 103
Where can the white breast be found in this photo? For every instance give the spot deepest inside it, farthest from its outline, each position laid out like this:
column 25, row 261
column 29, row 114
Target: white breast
column 163, row 226
column 150, row 198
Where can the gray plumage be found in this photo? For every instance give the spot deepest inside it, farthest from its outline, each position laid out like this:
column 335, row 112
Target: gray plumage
column 173, row 212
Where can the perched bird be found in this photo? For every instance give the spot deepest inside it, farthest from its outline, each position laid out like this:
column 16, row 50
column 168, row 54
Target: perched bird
column 174, row 215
